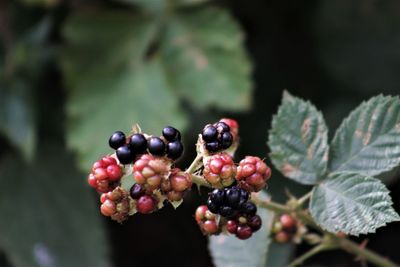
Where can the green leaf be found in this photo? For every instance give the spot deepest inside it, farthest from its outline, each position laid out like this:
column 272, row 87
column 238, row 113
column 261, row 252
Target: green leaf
column 204, row 57
column 352, row 203
column 49, row 217
column 124, row 89
column 368, row 140
column 17, row 116
column 228, row 250
column 298, row 141
column 161, row 5
column 280, row 255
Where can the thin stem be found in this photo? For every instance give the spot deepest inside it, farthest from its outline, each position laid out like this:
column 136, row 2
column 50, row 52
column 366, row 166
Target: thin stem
column 364, row 253
column 317, row 249
column 195, row 164
column 304, row 198
column 199, row 180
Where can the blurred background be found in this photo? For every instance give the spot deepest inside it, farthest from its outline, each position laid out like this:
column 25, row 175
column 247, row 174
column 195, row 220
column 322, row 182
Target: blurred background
column 72, row 72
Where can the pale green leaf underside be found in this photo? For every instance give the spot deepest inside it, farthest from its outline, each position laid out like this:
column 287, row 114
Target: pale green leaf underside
column 204, row 56
column 352, row 203
column 110, row 85
column 368, row 141
column 228, row 250
column 298, row 141
column 48, row 217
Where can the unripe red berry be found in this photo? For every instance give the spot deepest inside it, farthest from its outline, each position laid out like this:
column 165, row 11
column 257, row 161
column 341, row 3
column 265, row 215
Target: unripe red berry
column 231, row 226
column 180, row 181
column 210, row 227
column 287, row 221
column 150, row 171
column 244, row 232
column 105, row 174
column 146, row 204
column 174, row 196
column 114, row 172
column 282, row 237
column 201, row 213
column 108, row 208
column 252, row 174
column 219, row 170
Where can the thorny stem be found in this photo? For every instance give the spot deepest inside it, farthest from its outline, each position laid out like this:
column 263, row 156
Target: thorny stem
column 329, row 242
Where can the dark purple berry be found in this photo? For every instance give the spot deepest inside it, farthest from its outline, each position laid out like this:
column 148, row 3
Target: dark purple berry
column 217, row 196
column 212, row 207
column 243, row 232
column 244, row 197
column 138, row 143
column 117, row 140
column 222, row 127
column 125, row 155
column 226, row 140
column 174, row 149
column 137, row 191
column 254, row 222
column 171, row 134
column 156, row 146
column 249, row 208
column 226, row 211
column 212, row 146
column 232, row 197
column 209, row 134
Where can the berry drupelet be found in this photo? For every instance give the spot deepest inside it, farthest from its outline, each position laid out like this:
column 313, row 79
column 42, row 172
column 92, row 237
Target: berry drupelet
column 217, row 137
column 117, row 140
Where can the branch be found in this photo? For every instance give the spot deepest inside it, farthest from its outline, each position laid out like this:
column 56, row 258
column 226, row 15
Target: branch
column 317, row 249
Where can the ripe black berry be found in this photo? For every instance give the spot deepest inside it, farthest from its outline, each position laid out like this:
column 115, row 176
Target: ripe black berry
column 222, row 127
column 138, row 143
column 212, row 207
column 174, row 149
column 117, row 140
column 217, row 196
column 137, row 191
column 226, row 211
column 171, row 134
column 209, row 134
column 249, row 208
column 255, row 222
column 244, row 196
column 213, row 146
column 156, row 146
column 125, row 155
column 232, row 197
column 226, row 140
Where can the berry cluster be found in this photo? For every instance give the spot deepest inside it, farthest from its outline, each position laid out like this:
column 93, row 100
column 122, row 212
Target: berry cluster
column 146, row 202
column 217, row 136
column 219, row 170
column 116, row 204
column 105, row 175
column 253, row 174
column 177, row 184
column 244, row 225
column 285, row 228
column 207, row 221
column 128, row 149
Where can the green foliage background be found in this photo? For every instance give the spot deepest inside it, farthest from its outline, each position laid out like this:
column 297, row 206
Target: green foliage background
column 72, row 72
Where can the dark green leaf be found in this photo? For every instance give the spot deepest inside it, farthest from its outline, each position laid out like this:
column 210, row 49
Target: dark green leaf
column 227, row 250
column 368, row 141
column 111, row 86
column 204, row 56
column 48, row 216
column 298, row 141
column 352, row 203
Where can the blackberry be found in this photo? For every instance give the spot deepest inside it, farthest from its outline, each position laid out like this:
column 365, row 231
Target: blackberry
column 209, row 134
column 117, row 140
column 156, row 146
column 171, row 134
column 233, row 197
column 249, row 208
column 226, row 140
column 174, row 149
column 212, row 207
column 137, row 191
column 226, row 211
column 213, row 146
column 254, row 222
column 244, row 197
column 217, row 196
column 222, row 127
column 125, row 155
column 138, row 143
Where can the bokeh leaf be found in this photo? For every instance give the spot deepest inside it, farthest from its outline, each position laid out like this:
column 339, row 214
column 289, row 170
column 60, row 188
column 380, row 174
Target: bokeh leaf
column 352, row 203
column 110, row 83
column 228, row 250
column 17, row 116
column 48, row 216
column 368, row 140
column 161, row 5
column 204, row 57
column 298, row 141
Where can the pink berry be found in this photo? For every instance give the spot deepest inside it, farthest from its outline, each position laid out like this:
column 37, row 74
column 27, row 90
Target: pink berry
column 244, row 232
column 231, row 226
column 210, row 227
column 146, row 204
column 201, row 213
